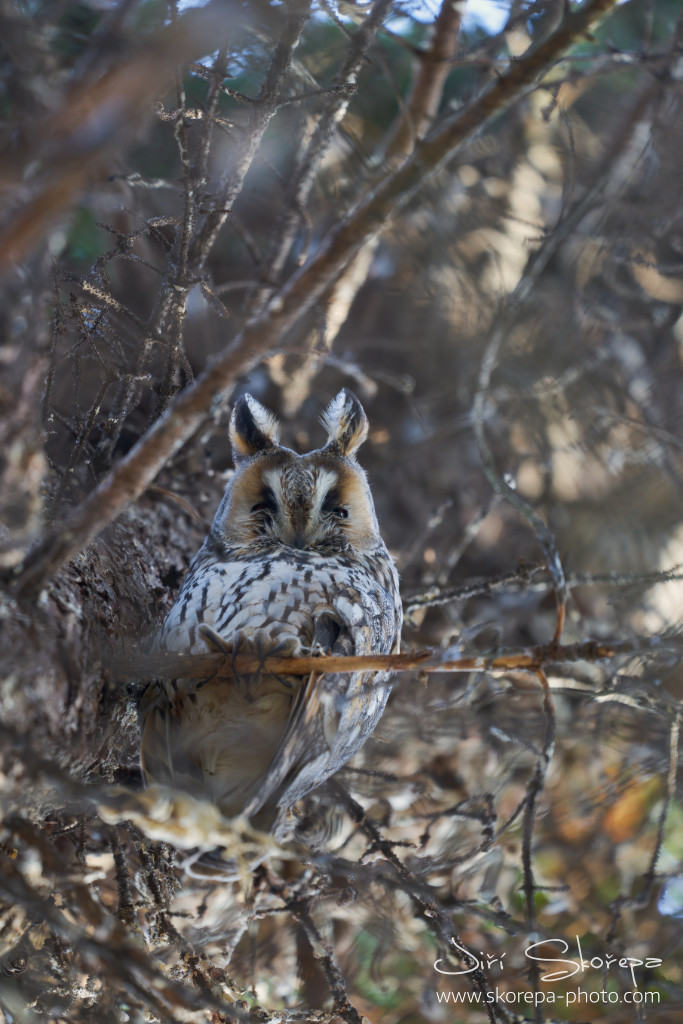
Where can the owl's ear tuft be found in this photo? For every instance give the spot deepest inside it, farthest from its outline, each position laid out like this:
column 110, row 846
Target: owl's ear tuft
column 253, row 430
column 346, row 424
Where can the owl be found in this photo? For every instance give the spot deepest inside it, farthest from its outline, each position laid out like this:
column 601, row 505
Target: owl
column 294, row 564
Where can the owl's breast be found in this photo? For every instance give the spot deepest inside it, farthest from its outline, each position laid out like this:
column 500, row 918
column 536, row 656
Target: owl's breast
column 278, row 594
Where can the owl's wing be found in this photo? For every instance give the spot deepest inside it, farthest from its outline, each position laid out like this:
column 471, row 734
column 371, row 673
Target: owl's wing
column 331, row 718
column 303, row 753
column 300, row 741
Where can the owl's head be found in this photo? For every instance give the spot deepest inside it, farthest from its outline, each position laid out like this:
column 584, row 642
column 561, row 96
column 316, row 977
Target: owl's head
column 320, row 500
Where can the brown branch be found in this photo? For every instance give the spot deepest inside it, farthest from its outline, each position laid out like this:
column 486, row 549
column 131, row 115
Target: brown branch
column 186, row 413
column 435, row 66
column 415, row 119
column 98, row 111
column 165, row 665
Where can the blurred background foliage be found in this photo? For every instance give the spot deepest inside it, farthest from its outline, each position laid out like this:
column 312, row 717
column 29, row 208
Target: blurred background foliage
column 559, row 224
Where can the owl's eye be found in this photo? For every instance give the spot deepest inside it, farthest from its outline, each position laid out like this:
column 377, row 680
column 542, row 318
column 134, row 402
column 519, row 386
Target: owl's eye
column 331, row 508
column 266, row 504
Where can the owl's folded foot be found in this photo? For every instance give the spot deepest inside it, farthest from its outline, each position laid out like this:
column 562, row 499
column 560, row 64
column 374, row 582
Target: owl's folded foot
column 260, row 645
column 289, row 647
column 231, row 646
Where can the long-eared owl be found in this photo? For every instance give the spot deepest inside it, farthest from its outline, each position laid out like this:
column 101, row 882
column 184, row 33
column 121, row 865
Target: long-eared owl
column 294, row 564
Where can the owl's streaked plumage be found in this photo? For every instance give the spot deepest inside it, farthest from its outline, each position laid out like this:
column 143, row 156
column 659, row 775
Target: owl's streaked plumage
column 295, row 563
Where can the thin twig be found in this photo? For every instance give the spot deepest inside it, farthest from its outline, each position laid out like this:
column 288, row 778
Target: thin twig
column 423, row 898
column 301, row 181
column 533, row 791
column 672, row 773
column 537, row 264
column 527, row 576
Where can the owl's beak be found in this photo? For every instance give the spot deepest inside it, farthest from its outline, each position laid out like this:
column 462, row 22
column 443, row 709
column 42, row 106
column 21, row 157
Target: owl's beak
column 299, row 530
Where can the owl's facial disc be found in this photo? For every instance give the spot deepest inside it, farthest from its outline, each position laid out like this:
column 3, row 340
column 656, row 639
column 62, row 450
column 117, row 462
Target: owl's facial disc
column 301, row 505
column 316, row 501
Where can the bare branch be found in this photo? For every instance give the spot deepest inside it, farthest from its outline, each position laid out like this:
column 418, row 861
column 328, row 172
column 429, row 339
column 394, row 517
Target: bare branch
column 97, row 112
column 533, row 659
column 185, row 414
column 301, row 182
column 416, row 117
column 423, row 102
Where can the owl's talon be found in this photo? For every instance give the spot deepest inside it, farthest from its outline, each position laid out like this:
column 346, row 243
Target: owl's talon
column 284, row 681
column 238, row 644
column 260, row 645
column 231, row 648
column 264, row 648
column 287, row 648
column 214, row 641
column 261, row 649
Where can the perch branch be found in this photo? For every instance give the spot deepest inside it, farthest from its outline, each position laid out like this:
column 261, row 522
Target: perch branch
column 165, row 665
